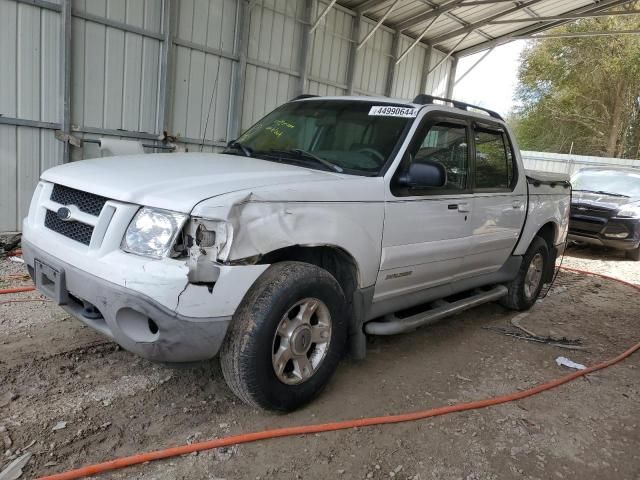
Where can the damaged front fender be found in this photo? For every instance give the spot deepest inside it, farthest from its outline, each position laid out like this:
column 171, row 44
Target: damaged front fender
column 250, row 225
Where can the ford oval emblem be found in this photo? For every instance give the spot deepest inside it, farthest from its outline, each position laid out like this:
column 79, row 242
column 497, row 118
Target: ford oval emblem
column 64, row 214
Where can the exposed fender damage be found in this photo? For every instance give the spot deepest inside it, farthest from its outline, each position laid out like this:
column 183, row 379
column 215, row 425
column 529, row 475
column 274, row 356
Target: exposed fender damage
column 250, row 225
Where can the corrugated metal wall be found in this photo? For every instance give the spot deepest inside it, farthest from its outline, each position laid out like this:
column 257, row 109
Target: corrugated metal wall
column 561, row 163
column 128, row 82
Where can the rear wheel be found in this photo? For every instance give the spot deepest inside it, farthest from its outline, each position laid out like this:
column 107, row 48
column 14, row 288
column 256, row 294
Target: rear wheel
column 633, row 254
column 525, row 288
column 286, row 338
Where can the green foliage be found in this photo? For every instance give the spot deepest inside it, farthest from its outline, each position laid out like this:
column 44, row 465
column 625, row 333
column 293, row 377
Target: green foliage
column 582, row 91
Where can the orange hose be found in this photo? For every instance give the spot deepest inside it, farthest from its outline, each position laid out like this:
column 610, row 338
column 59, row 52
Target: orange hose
column 347, row 424
column 17, row 290
column 14, row 253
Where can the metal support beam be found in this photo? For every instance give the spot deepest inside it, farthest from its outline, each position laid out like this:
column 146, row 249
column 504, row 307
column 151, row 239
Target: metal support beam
column 21, row 122
column 481, row 23
column 369, row 5
column 486, row 54
column 377, row 25
column 539, row 27
column 306, row 44
column 322, row 15
column 565, row 17
column 65, row 75
column 391, row 73
column 451, row 81
column 241, row 43
column 417, row 40
column 425, row 71
column 423, row 17
column 165, row 88
column 353, row 53
column 579, row 34
column 450, row 53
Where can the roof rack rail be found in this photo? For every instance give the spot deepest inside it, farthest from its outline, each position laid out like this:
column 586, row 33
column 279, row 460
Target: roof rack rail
column 303, row 96
column 424, row 99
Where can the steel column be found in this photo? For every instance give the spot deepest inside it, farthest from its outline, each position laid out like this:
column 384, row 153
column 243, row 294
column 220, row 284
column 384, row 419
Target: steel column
column 165, row 88
column 65, row 75
column 353, row 54
column 425, row 71
column 305, row 47
column 451, row 81
column 391, row 74
column 241, row 45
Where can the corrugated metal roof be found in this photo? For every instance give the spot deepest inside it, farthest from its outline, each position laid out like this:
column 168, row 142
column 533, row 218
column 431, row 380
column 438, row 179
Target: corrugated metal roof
column 456, row 18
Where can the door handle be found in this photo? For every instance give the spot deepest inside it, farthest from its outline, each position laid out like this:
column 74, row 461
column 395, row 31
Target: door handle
column 463, row 208
column 516, row 204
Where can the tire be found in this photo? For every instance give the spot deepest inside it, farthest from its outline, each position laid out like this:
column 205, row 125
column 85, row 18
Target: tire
column 522, row 295
column 633, row 254
column 260, row 338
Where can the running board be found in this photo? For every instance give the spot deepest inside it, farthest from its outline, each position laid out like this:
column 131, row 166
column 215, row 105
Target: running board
column 393, row 325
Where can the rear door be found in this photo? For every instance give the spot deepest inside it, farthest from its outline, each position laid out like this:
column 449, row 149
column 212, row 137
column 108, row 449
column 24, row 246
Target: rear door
column 500, row 200
column 427, row 231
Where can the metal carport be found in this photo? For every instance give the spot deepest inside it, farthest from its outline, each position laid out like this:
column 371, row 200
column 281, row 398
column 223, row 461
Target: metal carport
column 203, row 70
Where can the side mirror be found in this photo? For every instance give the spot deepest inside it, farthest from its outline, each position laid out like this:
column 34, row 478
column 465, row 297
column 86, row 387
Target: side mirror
column 424, row 174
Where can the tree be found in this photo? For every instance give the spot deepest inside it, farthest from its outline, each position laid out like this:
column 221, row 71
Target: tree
column 582, row 91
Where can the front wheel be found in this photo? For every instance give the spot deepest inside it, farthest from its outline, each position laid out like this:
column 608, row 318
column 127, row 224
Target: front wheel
column 286, row 338
column 525, row 288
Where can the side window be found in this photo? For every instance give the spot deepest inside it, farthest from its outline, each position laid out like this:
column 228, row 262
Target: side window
column 446, row 144
column 494, row 160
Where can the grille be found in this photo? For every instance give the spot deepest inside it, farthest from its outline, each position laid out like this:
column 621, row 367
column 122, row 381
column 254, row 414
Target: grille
column 86, row 202
column 80, row 232
column 581, row 226
column 590, row 210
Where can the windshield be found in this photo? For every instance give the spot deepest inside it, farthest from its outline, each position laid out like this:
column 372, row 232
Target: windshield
column 343, row 136
column 609, row 181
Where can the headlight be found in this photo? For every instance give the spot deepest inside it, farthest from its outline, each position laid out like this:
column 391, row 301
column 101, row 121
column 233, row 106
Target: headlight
column 629, row 211
column 152, row 232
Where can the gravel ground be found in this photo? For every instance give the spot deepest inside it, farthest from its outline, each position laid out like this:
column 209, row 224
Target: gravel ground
column 603, row 260
column 108, row 403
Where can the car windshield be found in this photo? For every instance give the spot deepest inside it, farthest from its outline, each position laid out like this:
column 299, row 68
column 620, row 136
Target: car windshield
column 343, row 136
column 608, row 181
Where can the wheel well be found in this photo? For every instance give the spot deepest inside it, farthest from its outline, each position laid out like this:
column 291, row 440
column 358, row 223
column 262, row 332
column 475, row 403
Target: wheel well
column 548, row 234
column 336, row 261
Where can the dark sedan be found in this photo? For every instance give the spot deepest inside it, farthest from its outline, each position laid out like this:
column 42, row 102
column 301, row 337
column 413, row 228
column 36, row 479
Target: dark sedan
column 605, row 208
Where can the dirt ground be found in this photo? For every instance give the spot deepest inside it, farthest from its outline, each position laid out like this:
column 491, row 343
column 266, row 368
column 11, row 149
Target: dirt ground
column 52, row 369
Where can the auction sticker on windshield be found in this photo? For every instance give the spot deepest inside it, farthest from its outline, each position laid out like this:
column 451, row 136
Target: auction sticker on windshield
column 387, row 111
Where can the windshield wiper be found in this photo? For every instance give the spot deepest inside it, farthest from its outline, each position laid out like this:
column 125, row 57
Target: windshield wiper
column 600, row 192
column 238, row 146
column 303, row 154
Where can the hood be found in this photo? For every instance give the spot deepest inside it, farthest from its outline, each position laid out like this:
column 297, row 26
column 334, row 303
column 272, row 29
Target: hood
column 609, row 202
column 178, row 181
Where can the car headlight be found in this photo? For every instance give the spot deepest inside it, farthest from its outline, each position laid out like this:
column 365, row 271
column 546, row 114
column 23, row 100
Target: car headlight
column 152, row 232
column 629, row 211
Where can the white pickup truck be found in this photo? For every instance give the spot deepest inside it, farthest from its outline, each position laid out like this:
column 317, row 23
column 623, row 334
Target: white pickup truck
column 329, row 219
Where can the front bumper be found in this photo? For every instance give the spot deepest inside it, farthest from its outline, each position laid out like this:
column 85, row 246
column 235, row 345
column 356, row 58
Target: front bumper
column 135, row 321
column 600, row 240
column 600, row 233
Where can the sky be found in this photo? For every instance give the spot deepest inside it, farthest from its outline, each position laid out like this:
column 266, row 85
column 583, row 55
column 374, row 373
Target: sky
column 492, row 83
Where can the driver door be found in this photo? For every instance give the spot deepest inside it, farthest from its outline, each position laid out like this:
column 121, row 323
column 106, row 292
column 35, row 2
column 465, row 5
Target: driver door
column 427, row 231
